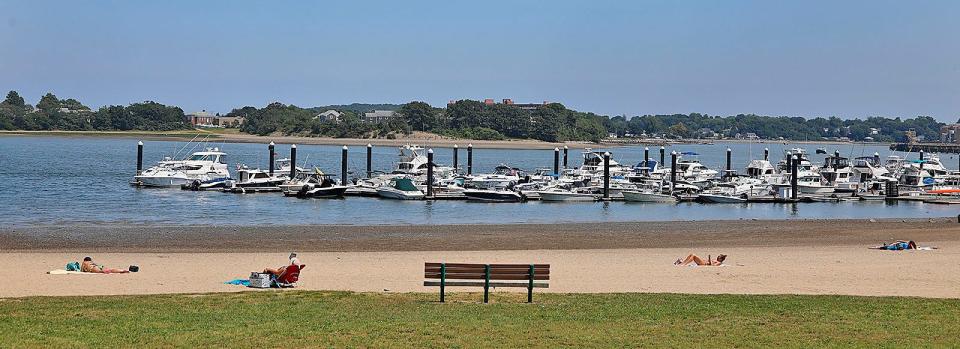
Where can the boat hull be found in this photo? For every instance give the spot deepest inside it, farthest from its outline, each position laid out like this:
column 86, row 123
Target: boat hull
column 721, row 199
column 636, row 196
column 493, row 195
column 161, row 181
column 565, row 196
column 399, row 195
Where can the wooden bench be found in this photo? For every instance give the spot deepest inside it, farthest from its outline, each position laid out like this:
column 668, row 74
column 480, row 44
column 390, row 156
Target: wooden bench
column 486, row 276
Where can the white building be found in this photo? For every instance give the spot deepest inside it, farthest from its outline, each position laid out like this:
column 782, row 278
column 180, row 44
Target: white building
column 329, row 115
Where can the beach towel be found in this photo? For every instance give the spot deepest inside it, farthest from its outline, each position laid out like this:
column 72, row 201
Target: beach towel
column 68, row 272
column 919, row 248
column 239, row 282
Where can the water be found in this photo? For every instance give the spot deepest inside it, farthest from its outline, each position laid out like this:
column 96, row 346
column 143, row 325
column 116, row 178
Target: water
column 84, row 181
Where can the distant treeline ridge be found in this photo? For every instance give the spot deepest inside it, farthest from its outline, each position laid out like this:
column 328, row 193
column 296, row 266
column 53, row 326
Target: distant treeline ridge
column 462, row 119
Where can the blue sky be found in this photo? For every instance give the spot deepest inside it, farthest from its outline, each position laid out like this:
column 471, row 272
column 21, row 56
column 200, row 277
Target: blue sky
column 804, row 58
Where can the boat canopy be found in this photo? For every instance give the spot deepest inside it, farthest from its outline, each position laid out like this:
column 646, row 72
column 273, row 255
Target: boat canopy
column 405, row 184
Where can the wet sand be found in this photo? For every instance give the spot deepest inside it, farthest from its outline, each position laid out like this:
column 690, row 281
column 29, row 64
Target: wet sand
column 477, row 237
column 766, row 257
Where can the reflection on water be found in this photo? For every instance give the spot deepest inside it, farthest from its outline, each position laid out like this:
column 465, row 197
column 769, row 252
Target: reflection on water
column 54, row 180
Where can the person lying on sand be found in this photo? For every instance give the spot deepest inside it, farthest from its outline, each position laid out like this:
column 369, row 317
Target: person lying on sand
column 279, row 271
column 898, row 245
column 692, row 258
column 88, row 266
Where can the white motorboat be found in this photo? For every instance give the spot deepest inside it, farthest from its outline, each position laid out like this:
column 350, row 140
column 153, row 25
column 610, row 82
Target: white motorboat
column 315, row 185
column 400, row 188
column 504, row 176
column 201, row 167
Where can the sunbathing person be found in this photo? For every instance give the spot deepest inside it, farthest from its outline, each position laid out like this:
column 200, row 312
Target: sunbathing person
column 88, row 266
column 279, row 271
column 694, row 259
column 898, row 245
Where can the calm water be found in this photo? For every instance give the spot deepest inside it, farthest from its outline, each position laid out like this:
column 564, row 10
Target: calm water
column 56, row 181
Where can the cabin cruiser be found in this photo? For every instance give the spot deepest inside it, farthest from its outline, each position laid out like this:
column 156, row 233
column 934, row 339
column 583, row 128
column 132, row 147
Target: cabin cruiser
column 200, row 167
column 762, row 170
column 836, row 172
column 868, row 174
column 412, row 160
column 645, row 169
column 502, row 177
column 573, row 191
column 690, row 171
column 649, row 191
column 255, row 179
column 315, row 184
column 803, row 165
column 734, row 190
column 808, row 182
column 368, row 186
column 400, row 188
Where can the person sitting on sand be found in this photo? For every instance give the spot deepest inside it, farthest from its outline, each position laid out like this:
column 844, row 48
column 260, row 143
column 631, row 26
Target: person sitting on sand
column 88, row 266
column 692, row 258
column 279, row 271
column 898, row 245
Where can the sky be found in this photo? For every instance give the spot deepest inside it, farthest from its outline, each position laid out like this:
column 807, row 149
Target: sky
column 802, row 58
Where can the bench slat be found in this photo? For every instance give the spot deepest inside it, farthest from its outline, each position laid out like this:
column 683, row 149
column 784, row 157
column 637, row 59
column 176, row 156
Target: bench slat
column 492, row 271
column 481, row 276
column 431, row 264
column 492, row 284
column 491, row 268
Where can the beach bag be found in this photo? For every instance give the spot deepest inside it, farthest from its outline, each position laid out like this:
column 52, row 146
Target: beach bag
column 259, row 280
column 73, row 266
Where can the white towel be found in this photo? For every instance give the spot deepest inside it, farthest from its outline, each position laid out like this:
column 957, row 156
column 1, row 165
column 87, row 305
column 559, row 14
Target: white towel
column 65, row 272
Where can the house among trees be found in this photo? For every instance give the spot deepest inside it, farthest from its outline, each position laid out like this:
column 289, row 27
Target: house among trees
column 329, row 115
column 202, row 118
column 378, row 116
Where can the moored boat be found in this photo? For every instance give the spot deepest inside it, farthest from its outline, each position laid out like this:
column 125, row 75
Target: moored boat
column 493, row 195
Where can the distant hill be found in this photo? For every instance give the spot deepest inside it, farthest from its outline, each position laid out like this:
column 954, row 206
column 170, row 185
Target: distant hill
column 356, row 107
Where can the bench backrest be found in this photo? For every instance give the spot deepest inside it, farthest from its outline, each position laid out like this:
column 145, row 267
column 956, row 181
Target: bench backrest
column 466, row 271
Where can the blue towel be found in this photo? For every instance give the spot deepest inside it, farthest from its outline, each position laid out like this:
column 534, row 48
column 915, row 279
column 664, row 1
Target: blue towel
column 239, row 282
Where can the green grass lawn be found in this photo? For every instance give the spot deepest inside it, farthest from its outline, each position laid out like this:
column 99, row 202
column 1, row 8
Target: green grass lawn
column 343, row 319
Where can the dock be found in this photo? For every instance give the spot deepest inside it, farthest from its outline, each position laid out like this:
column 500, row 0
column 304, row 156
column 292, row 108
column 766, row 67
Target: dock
column 926, row 147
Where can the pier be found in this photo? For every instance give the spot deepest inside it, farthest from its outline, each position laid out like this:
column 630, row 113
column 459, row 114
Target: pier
column 926, row 147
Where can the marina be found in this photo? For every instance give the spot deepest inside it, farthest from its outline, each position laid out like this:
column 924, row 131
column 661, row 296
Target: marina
column 98, row 170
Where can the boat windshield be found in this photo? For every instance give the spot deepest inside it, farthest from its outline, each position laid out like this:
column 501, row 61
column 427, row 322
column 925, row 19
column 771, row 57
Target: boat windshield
column 199, row 157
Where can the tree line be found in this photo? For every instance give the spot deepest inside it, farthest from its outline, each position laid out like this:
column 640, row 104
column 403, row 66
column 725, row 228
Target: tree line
column 696, row 125
column 52, row 113
column 461, row 119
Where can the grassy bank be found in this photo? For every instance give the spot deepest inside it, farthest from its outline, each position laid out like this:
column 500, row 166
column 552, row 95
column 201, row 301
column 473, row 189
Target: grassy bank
column 297, row 319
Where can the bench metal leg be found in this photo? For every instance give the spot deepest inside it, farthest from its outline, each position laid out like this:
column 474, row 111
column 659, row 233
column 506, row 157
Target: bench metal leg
column 486, row 283
column 443, row 279
column 530, row 286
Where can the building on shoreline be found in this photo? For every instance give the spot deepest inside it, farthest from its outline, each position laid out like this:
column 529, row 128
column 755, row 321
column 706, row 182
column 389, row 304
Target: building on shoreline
column 205, row 119
column 507, row 101
column 330, row 115
column 378, row 116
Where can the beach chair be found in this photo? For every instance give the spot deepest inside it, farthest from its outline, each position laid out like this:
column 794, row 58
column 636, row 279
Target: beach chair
column 289, row 276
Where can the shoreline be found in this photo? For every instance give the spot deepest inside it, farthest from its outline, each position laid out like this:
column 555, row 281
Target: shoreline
column 423, row 141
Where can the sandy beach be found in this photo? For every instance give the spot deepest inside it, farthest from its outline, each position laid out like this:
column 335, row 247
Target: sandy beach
column 766, row 257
